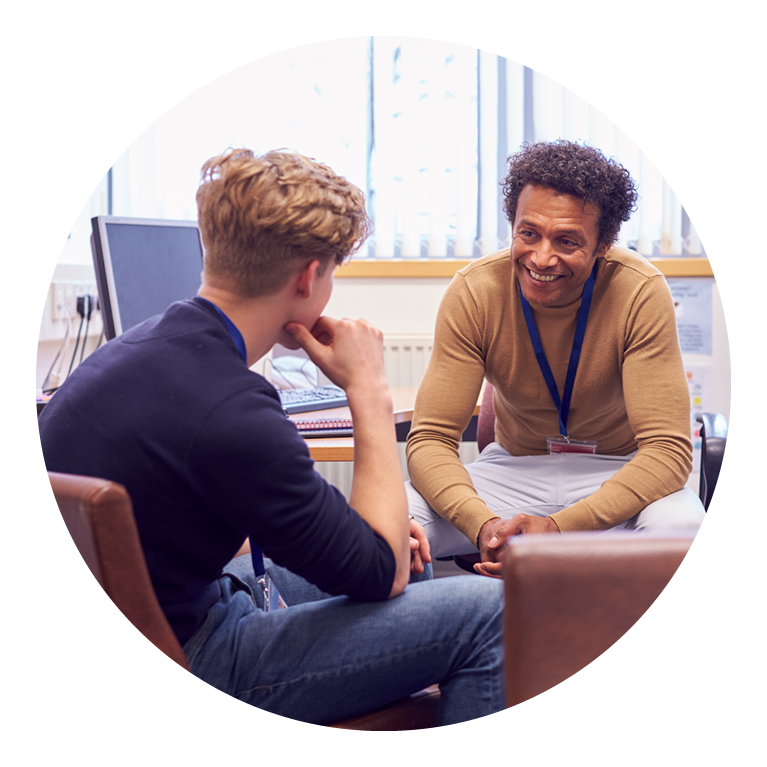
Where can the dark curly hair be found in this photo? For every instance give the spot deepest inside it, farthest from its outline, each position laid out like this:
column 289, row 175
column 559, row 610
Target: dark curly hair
column 578, row 170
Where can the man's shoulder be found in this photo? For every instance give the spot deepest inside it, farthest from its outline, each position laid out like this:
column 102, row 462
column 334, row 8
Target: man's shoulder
column 488, row 267
column 486, row 278
column 184, row 355
column 630, row 264
column 183, row 317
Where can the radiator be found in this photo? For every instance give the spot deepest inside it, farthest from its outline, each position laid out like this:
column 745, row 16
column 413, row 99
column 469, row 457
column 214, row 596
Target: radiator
column 405, row 358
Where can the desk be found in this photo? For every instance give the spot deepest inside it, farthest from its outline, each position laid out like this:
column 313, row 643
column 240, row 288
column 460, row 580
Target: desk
column 342, row 448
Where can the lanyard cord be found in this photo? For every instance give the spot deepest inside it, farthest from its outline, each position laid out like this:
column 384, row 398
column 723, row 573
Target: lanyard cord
column 239, row 341
column 256, row 554
column 563, row 405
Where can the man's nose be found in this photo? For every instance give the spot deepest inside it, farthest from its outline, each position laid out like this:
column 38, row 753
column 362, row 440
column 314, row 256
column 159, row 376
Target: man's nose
column 545, row 256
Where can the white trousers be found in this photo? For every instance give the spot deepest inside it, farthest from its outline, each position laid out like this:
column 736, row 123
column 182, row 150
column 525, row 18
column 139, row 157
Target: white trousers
column 542, row 485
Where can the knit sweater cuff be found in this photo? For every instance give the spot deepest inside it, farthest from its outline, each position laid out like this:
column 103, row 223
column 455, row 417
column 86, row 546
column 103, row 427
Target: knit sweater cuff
column 471, row 517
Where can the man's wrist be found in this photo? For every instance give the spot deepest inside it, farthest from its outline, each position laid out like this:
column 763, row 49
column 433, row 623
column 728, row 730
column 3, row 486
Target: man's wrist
column 484, row 524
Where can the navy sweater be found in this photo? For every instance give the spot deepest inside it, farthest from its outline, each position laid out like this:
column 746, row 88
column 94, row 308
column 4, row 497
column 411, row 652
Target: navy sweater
column 169, row 410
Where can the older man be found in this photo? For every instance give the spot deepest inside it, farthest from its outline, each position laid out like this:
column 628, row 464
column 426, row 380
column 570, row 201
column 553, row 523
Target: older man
column 578, row 338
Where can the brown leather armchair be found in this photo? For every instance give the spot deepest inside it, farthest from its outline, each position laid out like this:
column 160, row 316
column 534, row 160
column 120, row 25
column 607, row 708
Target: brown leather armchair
column 570, row 597
column 99, row 517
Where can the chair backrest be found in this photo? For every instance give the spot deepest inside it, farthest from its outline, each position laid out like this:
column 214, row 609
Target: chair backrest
column 486, row 419
column 569, row 597
column 99, row 517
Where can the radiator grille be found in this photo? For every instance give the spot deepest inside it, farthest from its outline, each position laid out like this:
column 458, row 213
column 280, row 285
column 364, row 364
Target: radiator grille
column 406, row 358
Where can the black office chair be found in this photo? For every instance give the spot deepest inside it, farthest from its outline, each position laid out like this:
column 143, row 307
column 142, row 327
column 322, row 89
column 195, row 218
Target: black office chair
column 713, row 440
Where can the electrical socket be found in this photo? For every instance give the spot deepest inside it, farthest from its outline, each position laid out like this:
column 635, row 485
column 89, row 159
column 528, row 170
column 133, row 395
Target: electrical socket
column 65, row 293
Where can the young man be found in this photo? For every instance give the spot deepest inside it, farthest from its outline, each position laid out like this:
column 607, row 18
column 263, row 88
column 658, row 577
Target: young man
column 578, row 339
column 171, row 410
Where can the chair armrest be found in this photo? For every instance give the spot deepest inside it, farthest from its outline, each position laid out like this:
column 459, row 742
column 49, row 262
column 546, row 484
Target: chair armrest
column 569, row 597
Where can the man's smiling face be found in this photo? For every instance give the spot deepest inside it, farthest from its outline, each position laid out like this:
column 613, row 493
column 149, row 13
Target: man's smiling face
column 554, row 245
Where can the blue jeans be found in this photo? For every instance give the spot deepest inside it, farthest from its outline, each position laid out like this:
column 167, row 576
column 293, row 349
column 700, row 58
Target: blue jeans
column 325, row 659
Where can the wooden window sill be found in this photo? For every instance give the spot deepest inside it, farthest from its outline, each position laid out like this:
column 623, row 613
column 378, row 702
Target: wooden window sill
column 419, row 267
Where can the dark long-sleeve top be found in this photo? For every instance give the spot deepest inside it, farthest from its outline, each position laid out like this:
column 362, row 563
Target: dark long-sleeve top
column 170, row 410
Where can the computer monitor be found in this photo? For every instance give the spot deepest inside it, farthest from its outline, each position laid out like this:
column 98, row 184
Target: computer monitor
column 142, row 266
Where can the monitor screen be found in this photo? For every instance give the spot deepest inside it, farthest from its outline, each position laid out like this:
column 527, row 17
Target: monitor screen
column 142, row 266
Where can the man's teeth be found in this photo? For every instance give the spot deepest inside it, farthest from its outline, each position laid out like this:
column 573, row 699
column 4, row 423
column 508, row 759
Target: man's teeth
column 544, row 277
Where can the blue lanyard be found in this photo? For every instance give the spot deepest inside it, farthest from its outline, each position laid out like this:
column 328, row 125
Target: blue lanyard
column 563, row 405
column 256, row 554
column 239, row 341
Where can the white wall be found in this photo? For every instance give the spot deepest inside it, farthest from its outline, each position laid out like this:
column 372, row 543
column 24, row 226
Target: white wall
column 402, row 306
column 396, row 305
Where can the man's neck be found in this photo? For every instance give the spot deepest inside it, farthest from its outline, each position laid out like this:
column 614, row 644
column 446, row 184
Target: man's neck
column 259, row 320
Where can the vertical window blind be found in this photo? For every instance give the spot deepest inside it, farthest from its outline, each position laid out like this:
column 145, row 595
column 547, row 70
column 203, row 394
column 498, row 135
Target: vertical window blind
column 445, row 119
column 424, row 127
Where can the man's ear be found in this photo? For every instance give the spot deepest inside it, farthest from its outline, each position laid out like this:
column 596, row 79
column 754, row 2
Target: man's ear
column 305, row 279
column 601, row 251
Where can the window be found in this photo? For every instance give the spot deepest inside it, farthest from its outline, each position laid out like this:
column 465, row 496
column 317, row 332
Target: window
column 424, row 127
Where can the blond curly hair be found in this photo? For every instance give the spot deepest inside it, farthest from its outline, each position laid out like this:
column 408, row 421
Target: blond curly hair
column 264, row 217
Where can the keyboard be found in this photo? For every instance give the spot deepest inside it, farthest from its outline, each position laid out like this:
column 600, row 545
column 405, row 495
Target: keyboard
column 307, row 400
column 324, row 427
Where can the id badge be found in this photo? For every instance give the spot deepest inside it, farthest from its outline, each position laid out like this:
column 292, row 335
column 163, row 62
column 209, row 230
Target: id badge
column 272, row 598
column 560, row 444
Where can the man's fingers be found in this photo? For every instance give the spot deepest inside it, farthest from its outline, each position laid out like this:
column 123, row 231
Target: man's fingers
column 505, row 529
column 308, row 340
column 420, row 549
column 324, row 329
column 300, row 333
column 419, row 534
column 490, row 569
column 416, row 560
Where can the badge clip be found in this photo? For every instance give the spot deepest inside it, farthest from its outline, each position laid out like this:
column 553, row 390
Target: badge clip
column 563, row 444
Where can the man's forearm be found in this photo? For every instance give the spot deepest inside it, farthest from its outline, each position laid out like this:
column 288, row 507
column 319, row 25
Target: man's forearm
column 378, row 490
column 350, row 354
column 439, row 476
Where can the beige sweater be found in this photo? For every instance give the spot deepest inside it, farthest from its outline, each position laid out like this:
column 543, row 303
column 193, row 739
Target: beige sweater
column 630, row 392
